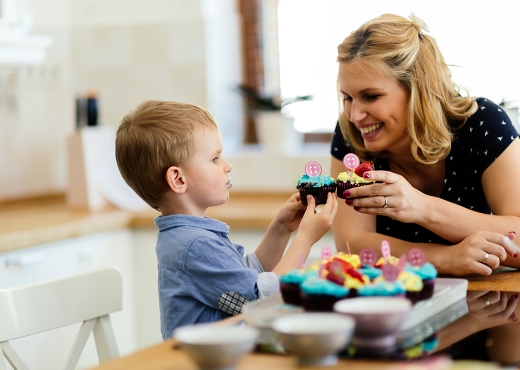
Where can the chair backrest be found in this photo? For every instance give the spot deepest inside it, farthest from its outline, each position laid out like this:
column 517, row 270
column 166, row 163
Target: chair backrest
column 87, row 297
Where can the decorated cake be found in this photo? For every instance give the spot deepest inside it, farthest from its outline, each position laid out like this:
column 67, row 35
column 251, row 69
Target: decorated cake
column 347, row 275
column 353, row 176
column 315, row 184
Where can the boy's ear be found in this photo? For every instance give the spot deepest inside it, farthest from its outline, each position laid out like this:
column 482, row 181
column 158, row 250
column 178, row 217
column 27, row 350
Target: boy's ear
column 175, row 179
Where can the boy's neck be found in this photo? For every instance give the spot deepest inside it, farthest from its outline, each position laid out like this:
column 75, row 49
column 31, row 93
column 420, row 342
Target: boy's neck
column 178, row 206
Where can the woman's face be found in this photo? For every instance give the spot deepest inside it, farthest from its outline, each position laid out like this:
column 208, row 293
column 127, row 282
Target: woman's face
column 377, row 105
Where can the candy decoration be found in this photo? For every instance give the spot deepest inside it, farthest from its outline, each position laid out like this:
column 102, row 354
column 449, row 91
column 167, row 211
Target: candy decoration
column 368, row 257
column 348, row 249
column 416, row 257
column 385, row 249
column 313, row 169
column 302, row 261
column 363, row 167
column 402, row 262
column 326, row 253
column 390, row 272
column 351, row 161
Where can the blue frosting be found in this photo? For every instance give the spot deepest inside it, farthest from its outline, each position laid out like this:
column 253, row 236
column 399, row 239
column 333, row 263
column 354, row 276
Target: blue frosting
column 371, row 272
column 316, row 181
column 430, row 344
column 297, row 276
column 425, row 272
column 323, row 287
column 383, row 288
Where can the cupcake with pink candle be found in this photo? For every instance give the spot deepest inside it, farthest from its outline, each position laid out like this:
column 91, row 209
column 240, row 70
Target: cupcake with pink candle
column 315, row 184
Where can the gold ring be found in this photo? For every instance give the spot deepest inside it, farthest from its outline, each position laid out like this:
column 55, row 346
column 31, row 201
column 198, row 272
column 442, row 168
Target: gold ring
column 485, row 258
column 386, row 203
column 486, row 299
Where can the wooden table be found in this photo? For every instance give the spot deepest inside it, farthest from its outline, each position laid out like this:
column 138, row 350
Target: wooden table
column 166, row 357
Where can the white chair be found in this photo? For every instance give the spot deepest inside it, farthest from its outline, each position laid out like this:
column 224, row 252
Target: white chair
column 87, row 297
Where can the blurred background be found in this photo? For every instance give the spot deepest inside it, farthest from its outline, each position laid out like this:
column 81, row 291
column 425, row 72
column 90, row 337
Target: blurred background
column 71, row 69
column 199, row 51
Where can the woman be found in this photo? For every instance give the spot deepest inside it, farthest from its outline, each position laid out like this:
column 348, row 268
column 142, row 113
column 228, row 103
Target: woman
column 446, row 165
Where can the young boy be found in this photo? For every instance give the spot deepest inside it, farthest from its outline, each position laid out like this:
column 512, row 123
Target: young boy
column 171, row 155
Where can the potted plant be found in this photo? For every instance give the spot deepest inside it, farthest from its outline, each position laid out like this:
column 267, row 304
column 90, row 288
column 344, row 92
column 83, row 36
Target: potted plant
column 274, row 127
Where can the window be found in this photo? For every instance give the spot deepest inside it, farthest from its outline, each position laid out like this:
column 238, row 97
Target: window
column 478, row 40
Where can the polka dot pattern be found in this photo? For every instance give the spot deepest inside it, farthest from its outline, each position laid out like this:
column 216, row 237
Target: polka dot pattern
column 486, row 134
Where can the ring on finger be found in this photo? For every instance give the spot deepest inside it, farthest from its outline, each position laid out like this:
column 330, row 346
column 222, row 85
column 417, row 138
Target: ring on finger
column 486, row 299
column 386, row 203
column 486, row 256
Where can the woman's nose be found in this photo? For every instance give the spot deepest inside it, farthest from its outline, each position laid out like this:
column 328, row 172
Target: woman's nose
column 356, row 113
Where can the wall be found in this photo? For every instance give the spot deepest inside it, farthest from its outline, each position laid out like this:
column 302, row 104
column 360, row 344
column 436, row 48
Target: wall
column 127, row 50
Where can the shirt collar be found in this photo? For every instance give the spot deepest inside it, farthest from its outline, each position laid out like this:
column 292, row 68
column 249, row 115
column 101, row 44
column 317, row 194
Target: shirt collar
column 168, row 222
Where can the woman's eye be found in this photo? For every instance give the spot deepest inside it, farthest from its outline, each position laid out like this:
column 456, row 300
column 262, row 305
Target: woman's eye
column 346, row 98
column 371, row 97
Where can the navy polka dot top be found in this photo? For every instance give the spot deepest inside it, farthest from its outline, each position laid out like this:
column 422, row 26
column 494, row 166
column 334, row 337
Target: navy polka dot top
column 486, row 134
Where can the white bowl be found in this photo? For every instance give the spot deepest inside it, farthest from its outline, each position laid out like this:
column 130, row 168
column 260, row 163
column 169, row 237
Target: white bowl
column 216, row 347
column 315, row 338
column 377, row 318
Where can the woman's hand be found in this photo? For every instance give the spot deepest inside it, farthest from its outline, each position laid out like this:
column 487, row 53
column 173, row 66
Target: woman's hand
column 492, row 307
column 479, row 253
column 392, row 196
column 291, row 213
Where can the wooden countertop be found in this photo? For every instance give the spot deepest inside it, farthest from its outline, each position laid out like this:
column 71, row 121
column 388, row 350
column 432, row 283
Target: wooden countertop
column 29, row 222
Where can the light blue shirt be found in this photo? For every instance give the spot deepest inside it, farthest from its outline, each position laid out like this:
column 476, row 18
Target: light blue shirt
column 203, row 276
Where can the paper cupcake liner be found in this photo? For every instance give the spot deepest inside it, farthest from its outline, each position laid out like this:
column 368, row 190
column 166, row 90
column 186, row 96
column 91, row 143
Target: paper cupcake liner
column 319, row 193
column 291, row 293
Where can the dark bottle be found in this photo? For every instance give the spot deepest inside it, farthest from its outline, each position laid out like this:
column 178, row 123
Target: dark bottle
column 92, row 109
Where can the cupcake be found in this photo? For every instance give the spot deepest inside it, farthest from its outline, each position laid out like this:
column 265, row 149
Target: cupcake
column 412, row 284
column 386, row 285
column 353, row 177
column 290, row 284
column 425, row 270
column 315, row 184
column 321, row 294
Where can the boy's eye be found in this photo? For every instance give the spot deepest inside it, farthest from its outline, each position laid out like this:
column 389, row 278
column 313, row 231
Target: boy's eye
column 214, row 160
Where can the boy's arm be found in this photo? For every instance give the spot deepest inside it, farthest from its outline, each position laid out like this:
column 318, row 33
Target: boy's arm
column 271, row 248
column 312, row 228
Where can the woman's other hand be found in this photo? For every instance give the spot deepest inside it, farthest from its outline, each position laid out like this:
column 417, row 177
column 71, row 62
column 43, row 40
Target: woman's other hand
column 479, row 253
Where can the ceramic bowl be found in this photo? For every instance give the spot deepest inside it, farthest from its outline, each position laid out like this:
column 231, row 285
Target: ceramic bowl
column 378, row 319
column 216, row 347
column 315, row 338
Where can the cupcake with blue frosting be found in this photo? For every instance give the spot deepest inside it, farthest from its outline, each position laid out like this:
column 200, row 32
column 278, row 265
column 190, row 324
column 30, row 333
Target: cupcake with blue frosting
column 425, row 270
column 290, row 284
column 315, row 184
column 321, row 294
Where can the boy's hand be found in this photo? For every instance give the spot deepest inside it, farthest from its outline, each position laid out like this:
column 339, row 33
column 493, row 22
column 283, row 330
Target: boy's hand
column 314, row 225
column 291, row 213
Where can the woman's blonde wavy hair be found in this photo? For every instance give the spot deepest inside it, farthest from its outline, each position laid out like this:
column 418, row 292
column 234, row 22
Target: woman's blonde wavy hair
column 398, row 48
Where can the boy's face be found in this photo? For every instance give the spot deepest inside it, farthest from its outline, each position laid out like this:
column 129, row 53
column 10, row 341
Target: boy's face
column 207, row 172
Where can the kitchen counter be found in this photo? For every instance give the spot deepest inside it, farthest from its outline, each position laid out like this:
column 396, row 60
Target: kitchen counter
column 30, row 222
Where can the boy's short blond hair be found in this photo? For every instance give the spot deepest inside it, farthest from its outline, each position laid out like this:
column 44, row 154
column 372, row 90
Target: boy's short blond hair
column 153, row 137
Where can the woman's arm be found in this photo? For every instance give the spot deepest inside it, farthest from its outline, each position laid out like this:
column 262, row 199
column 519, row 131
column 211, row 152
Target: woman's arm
column 359, row 229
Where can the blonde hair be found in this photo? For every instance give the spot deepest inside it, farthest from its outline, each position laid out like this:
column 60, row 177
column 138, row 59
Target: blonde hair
column 153, row 137
column 398, row 48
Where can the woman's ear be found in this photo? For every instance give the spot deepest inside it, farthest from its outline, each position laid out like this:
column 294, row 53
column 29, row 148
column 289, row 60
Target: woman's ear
column 175, row 179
